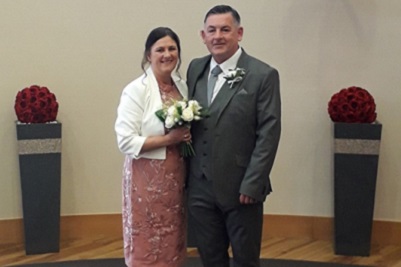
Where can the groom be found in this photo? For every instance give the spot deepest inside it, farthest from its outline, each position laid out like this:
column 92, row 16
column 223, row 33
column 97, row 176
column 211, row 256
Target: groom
column 235, row 147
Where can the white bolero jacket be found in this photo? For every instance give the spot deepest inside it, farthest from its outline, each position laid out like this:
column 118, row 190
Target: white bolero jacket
column 136, row 117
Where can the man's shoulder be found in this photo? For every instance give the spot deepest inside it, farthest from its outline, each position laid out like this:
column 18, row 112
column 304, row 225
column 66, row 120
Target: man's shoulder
column 258, row 65
column 200, row 60
column 196, row 66
column 258, row 69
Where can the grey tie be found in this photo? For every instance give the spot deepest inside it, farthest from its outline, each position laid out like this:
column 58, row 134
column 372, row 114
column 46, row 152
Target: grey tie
column 212, row 82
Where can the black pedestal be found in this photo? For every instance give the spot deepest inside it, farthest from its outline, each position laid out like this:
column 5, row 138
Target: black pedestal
column 40, row 171
column 355, row 170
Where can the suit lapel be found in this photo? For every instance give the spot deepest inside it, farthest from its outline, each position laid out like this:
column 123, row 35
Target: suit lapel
column 226, row 93
column 199, row 69
column 222, row 99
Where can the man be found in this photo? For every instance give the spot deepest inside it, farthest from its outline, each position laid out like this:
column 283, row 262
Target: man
column 235, row 147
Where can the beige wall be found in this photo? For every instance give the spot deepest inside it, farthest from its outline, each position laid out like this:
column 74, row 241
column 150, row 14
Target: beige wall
column 87, row 51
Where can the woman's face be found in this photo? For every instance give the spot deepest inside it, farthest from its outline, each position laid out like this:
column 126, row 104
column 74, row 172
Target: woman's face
column 163, row 56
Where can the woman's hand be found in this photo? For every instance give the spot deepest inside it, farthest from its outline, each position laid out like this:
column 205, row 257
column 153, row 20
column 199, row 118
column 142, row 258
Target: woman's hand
column 180, row 134
column 174, row 136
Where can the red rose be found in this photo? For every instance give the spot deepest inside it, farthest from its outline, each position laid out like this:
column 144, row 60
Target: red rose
column 36, row 104
column 354, row 105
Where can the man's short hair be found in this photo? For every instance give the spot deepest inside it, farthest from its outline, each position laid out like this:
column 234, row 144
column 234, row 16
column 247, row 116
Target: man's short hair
column 223, row 9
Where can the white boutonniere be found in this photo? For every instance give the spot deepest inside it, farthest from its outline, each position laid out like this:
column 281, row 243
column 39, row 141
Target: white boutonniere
column 234, row 76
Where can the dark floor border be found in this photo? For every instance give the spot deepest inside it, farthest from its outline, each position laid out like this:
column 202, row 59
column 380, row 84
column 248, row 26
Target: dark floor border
column 191, row 262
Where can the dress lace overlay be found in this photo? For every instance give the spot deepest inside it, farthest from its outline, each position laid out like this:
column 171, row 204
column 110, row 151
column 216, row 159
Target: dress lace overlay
column 153, row 209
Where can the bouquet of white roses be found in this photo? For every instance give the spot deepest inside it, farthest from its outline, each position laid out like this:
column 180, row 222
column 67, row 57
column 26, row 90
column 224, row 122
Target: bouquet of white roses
column 181, row 114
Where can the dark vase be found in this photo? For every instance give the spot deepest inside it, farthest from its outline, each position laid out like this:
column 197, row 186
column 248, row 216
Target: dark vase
column 39, row 147
column 356, row 159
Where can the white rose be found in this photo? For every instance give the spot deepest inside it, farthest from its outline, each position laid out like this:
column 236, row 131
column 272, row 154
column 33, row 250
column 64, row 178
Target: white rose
column 183, row 104
column 194, row 105
column 171, row 111
column 169, row 122
column 231, row 74
column 187, row 114
column 191, row 103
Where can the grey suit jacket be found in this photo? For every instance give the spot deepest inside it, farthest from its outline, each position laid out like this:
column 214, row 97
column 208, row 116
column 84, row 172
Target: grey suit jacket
column 245, row 121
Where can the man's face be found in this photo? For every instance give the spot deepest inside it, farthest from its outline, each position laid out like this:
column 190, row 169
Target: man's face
column 221, row 36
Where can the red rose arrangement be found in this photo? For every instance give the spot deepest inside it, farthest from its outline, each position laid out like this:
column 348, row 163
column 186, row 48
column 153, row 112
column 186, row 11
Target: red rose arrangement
column 352, row 105
column 36, row 104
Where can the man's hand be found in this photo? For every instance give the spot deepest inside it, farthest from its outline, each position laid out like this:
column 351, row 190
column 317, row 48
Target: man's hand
column 244, row 199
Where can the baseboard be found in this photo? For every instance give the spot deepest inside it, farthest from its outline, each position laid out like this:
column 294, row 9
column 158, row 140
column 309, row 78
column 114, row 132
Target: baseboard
column 319, row 228
column 109, row 225
column 322, row 228
column 71, row 227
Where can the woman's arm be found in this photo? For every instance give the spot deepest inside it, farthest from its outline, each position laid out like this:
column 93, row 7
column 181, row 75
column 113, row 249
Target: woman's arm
column 174, row 136
column 130, row 114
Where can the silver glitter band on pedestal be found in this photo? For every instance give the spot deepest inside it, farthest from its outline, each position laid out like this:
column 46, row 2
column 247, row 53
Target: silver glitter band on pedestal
column 39, row 146
column 357, row 146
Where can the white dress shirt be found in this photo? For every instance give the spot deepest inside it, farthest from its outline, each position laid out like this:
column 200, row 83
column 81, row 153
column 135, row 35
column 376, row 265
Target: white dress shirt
column 227, row 65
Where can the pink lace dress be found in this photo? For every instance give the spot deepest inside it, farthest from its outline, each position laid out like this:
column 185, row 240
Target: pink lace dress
column 153, row 208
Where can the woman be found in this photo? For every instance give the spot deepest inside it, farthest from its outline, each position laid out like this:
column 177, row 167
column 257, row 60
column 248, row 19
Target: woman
column 154, row 171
